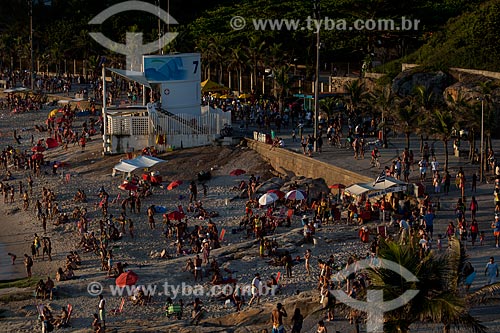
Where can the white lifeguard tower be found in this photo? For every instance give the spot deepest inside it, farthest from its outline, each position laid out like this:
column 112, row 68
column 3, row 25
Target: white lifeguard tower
column 178, row 120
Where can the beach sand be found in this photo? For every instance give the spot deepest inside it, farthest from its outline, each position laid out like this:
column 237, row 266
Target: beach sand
column 89, row 170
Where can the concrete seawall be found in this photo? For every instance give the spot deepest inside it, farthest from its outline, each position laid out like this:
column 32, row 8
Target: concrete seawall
column 284, row 161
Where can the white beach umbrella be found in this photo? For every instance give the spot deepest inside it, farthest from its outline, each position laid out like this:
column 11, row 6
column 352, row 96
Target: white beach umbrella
column 267, row 199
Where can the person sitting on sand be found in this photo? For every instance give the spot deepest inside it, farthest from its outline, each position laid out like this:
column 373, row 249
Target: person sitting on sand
column 60, row 276
column 216, row 278
column 189, row 266
column 63, row 317
column 197, row 312
column 69, row 273
column 40, row 289
column 49, row 288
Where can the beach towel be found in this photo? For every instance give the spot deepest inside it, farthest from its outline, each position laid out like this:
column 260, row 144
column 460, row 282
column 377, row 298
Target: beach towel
column 222, row 233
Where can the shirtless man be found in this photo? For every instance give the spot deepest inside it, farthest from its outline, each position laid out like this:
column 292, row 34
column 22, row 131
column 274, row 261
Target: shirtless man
column 197, row 269
column 277, row 318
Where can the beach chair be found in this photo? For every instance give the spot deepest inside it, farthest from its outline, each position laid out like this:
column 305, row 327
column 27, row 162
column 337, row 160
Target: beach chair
column 119, row 310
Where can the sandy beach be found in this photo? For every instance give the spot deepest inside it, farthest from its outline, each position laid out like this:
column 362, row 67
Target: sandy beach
column 240, row 255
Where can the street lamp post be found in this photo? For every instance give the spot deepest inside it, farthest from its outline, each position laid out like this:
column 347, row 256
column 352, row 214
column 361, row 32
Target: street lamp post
column 32, row 60
column 482, row 141
column 316, row 78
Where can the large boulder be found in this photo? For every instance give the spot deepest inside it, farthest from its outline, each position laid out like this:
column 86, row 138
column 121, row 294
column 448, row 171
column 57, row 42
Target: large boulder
column 469, row 88
column 405, row 83
column 274, row 183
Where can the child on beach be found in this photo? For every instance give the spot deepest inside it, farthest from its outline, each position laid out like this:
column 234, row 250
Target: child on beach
column 12, row 257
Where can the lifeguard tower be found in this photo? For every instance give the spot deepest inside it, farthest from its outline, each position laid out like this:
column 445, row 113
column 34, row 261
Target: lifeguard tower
column 177, row 120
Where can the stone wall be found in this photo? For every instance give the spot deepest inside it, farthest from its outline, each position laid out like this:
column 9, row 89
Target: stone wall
column 285, row 161
column 493, row 75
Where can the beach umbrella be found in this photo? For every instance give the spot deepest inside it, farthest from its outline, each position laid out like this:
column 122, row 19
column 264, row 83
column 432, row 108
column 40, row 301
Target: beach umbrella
column 128, row 187
column 174, row 184
column 51, row 143
column 237, row 172
column 53, row 113
column 38, row 148
column 267, row 199
column 338, row 186
column 127, row 279
column 295, row 195
column 279, row 193
column 37, row 157
column 176, row 215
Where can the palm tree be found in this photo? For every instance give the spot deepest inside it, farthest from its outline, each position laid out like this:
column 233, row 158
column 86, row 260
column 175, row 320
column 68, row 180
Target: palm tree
column 238, row 61
column 442, row 123
column 384, row 101
column 439, row 278
column 203, row 46
column 254, row 50
column 218, row 53
column 328, row 105
column 467, row 116
column 407, row 117
column 356, row 95
column 425, row 100
column 283, row 83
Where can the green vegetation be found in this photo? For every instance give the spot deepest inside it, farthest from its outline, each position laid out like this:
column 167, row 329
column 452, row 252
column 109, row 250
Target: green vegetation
column 441, row 298
column 469, row 39
column 19, row 283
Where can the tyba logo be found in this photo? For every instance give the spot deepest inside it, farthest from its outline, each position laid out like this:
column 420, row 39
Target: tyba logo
column 375, row 307
column 133, row 48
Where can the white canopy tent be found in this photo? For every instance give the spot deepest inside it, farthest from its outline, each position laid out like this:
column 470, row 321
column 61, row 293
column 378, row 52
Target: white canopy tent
column 389, row 185
column 139, row 162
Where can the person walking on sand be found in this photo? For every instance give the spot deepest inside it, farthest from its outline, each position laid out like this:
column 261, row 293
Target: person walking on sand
column 496, row 229
column 307, row 257
column 197, row 268
column 28, row 263
column 151, row 218
column 256, row 287
column 277, row 318
column 491, row 271
column 102, row 310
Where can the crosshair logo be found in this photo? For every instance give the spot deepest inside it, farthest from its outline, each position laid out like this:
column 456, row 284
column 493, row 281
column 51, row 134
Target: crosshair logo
column 133, row 48
column 375, row 307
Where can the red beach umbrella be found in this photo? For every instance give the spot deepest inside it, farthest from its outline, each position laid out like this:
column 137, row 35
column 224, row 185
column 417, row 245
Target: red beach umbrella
column 37, row 157
column 51, row 143
column 128, row 187
column 127, row 279
column 38, row 148
column 176, row 215
column 279, row 193
column 174, row 184
column 237, row 172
